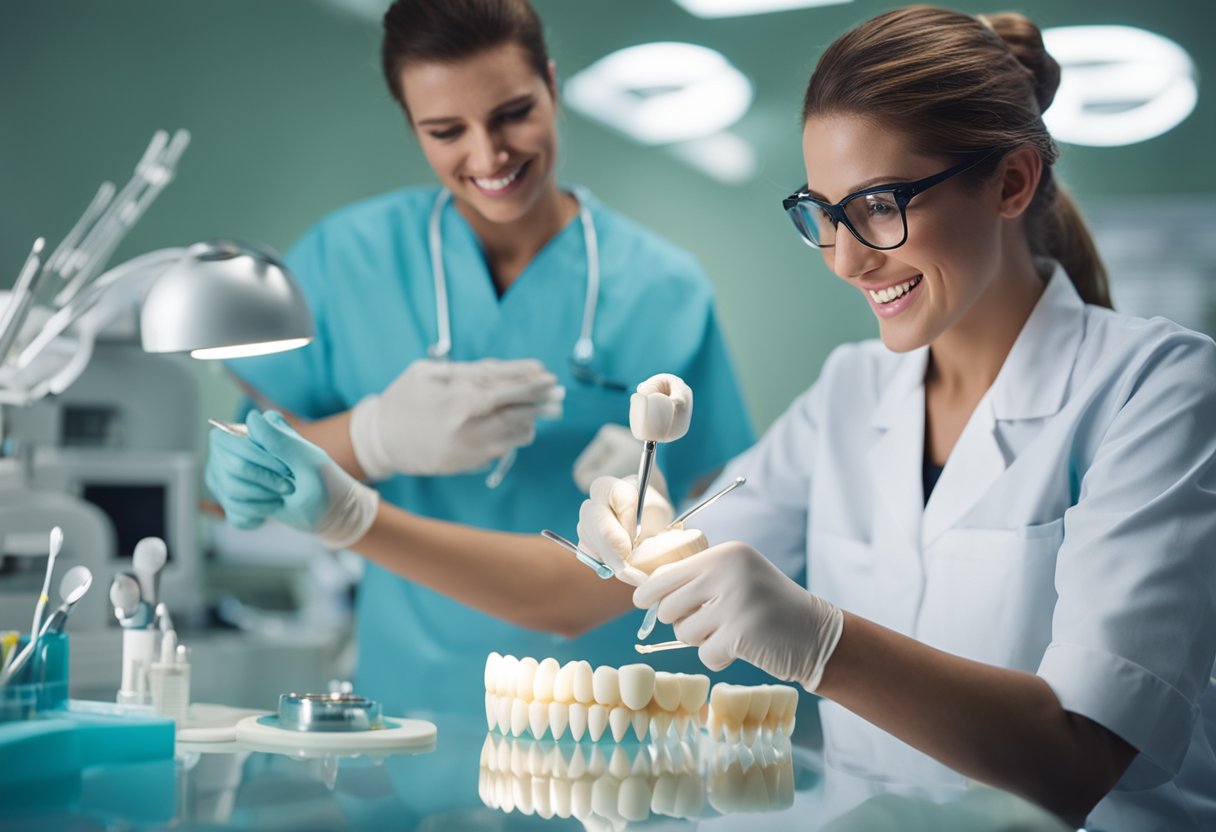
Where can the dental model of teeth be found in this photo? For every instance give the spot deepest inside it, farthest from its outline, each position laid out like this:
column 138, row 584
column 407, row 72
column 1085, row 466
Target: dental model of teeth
column 603, row 788
column 741, row 713
column 547, row 698
column 527, row 696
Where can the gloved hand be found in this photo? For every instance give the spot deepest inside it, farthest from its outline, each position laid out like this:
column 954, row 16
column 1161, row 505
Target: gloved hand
column 661, row 409
column 447, row 417
column 277, row 474
column 735, row 604
column 606, row 519
column 614, row 452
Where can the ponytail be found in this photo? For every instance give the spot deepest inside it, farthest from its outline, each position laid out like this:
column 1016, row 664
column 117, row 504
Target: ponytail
column 1064, row 236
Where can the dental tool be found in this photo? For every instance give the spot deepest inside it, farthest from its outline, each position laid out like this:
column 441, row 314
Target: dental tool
column 706, row 503
column 602, row 569
column 662, row 645
column 124, row 595
column 20, row 299
column 230, row 428
column 56, row 543
column 72, row 587
column 652, row 614
column 645, row 468
column 149, row 559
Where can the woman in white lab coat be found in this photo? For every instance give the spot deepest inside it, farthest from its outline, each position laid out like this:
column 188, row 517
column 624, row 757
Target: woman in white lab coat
column 1043, row 616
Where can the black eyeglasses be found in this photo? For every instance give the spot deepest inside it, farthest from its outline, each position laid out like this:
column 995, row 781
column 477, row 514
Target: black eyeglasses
column 876, row 216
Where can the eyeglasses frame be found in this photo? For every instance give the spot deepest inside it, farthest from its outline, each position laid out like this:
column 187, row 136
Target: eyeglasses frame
column 902, row 191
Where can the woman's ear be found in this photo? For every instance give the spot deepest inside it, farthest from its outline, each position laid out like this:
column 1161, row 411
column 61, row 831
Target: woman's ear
column 551, row 79
column 1019, row 174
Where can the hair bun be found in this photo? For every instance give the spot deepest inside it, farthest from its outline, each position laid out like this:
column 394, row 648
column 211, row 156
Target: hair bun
column 1025, row 41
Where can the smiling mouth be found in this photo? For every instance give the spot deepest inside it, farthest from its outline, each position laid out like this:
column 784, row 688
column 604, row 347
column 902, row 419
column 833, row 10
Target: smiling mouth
column 894, row 293
column 499, row 183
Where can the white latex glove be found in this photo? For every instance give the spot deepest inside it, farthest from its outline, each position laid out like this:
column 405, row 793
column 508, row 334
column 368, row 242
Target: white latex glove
column 735, row 604
column 448, row 417
column 605, row 521
column 614, row 452
column 661, row 409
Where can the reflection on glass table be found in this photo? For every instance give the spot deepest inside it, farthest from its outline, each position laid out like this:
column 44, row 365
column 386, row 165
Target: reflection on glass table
column 472, row 780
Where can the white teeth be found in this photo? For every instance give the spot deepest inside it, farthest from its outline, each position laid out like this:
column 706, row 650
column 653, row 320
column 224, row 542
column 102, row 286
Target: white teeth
column 563, row 683
column 634, row 799
column 619, row 718
column 578, row 721
column 538, row 718
column 606, row 685
column 667, row 690
column 559, row 718
column 497, row 184
column 519, row 716
column 693, row 691
column 892, row 292
column 641, row 724
column 503, row 713
column 526, row 677
column 597, row 721
column 545, row 679
column 491, row 711
column 636, row 685
column 492, row 662
column 505, row 684
column 583, row 685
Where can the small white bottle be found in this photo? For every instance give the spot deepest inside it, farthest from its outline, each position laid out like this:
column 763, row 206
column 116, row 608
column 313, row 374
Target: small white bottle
column 169, row 679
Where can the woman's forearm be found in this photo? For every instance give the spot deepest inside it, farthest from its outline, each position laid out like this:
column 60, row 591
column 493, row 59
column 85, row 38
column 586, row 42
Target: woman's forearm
column 1002, row 727
column 331, row 434
column 523, row 579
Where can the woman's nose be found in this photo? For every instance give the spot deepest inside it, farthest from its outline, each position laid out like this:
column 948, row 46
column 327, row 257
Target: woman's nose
column 851, row 258
column 487, row 154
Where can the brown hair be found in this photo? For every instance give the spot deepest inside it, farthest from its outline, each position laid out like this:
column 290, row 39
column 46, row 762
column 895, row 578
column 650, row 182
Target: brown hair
column 450, row 30
column 955, row 85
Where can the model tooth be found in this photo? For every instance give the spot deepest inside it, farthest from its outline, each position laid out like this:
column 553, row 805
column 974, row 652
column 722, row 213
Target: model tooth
column 681, row 722
column 619, row 718
column 633, row 799
column 537, row 757
column 641, row 724
column 641, row 764
column 731, row 702
column 543, row 682
column 667, row 690
column 519, row 716
column 749, row 732
column 502, row 793
column 618, row 761
column 731, row 733
column 578, row 721
column 760, row 704
column 663, row 801
column 487, row 751
column 660, row 724
column 502, row 750
column 563, row 683
column 491, row 711
column 690, row 796
column 522, row 792
column 559, row 718
column 504, row 713
column 636, row 685
column 714, row 726
column 693, row 691
column 606, row 685
column 526, row 677
column 597, row 766
column 605, row 793
column 541, row 797
column 597, row 721
column 559, row 796
column 507, row 670
column 584, row 690
column 580, row 798
column 538, row 718
column 666, row 548
column 492, row 663
column 578, row 763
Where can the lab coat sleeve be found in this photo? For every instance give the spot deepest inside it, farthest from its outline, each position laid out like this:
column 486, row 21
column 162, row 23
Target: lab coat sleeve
column 770, row 512
column 1134, row 627
column 299, row 380
column 721, row 427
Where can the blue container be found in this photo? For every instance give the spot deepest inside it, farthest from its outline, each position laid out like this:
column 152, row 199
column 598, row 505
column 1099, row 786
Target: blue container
column 42, row 685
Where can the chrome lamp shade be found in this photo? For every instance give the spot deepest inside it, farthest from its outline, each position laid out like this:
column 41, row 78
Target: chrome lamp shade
column 225, row 299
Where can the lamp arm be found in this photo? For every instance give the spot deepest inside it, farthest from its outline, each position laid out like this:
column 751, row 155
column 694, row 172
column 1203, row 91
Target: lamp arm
column 134, row 276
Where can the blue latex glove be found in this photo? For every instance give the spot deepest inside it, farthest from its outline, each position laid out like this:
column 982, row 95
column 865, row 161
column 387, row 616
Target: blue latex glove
column 277, row 474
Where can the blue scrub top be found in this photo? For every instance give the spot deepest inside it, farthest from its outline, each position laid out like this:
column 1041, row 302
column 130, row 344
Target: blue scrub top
column 367, row 275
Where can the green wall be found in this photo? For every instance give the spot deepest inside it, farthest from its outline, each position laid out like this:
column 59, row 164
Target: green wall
column 290, row 120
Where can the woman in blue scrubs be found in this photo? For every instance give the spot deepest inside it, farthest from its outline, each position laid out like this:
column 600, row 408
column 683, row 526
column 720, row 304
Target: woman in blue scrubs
column 446, row 320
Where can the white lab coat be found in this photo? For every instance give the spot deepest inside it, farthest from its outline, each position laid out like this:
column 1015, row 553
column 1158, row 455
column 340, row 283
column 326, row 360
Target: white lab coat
column 1072, row 534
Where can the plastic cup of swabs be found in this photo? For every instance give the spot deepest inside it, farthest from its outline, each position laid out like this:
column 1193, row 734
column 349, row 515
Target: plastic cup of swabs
column 652, row 614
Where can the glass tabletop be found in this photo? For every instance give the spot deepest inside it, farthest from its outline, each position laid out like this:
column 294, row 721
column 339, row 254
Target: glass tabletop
column 474, row 779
